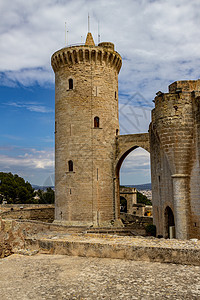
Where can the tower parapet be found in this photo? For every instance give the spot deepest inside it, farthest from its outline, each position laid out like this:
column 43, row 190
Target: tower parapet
column 104, row 53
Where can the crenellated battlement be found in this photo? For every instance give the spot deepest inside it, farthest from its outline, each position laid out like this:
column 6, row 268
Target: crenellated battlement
column 101, row 54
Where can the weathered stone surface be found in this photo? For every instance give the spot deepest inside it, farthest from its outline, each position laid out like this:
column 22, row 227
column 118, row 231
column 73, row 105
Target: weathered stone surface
column 44, row 214
column 5, row 248
column 45, row 277
column 111, row 246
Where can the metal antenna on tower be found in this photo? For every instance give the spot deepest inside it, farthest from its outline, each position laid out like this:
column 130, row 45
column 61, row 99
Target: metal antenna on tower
column 65, row 34
column 98, row 32
column 88, row 22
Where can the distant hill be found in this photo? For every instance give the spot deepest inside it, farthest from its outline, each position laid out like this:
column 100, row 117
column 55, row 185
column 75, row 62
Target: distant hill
column 41, row 187
column 146, row 186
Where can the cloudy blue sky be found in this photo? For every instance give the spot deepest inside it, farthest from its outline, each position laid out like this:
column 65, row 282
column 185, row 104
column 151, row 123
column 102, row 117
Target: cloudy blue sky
column 159, row 42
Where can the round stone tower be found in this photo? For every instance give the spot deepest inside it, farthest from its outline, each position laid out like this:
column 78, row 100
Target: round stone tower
column 86, row 124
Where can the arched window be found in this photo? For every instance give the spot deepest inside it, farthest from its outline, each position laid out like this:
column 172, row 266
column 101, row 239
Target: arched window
column 169, row 222
column 70, row 165
column 96, row 122
column 70, row 84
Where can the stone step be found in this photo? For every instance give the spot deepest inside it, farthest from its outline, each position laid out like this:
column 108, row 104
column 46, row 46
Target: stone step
column 106, row 246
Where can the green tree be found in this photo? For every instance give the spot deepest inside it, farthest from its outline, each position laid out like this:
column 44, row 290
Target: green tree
column 46, row 197
column 14, row 189
column 143, row 199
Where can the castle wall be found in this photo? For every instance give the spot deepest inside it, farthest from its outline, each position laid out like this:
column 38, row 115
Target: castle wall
column 162, row 189
column 174, row 134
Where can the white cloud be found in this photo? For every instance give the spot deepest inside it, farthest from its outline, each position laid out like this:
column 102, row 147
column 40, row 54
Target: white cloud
column 154, row 37
column 138, row 159
column 136, row 168
column 158, row 40
column 34, row 159
column 31, row 107
column 35, row 166
column 133, row 116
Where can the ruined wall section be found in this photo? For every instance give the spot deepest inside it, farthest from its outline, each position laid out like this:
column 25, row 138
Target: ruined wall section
column 130, row 194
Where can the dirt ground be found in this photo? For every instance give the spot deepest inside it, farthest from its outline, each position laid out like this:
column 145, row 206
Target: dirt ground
column 62, row 277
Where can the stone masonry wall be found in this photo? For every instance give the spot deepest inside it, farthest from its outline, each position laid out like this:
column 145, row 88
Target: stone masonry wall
column 8, row 207
column 45, row 214
column 174, row 158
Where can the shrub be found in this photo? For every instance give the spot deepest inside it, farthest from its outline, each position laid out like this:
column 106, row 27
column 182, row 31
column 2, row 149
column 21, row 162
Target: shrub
column 150, row 230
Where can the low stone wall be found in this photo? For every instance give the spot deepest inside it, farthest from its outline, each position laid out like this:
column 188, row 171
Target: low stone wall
column 14, row 232
column 34, row 237
column 131, row 248
column 44, row 214
column 136, row 221
column 8, row 207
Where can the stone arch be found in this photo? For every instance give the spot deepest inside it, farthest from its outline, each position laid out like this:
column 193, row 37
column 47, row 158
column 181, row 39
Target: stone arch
column 125, row 145
column 70, row 83
column 169, row 221
column 123, row 204
column 70, row 166
column 96, row 122
column 128, row 143
column 122, row 157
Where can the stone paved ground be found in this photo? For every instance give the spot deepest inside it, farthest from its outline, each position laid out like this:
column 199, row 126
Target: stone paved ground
column 61, row 277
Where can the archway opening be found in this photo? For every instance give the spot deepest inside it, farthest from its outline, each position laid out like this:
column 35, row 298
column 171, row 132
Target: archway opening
column 169, row 223
column 135, row 168
column 123, row 204
column 133, row 171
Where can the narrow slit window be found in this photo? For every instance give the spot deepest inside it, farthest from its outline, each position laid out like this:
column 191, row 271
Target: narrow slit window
column 115, row 95
column 70, row 84
column 55, row 127
column 70, row 165
column 96, row 122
